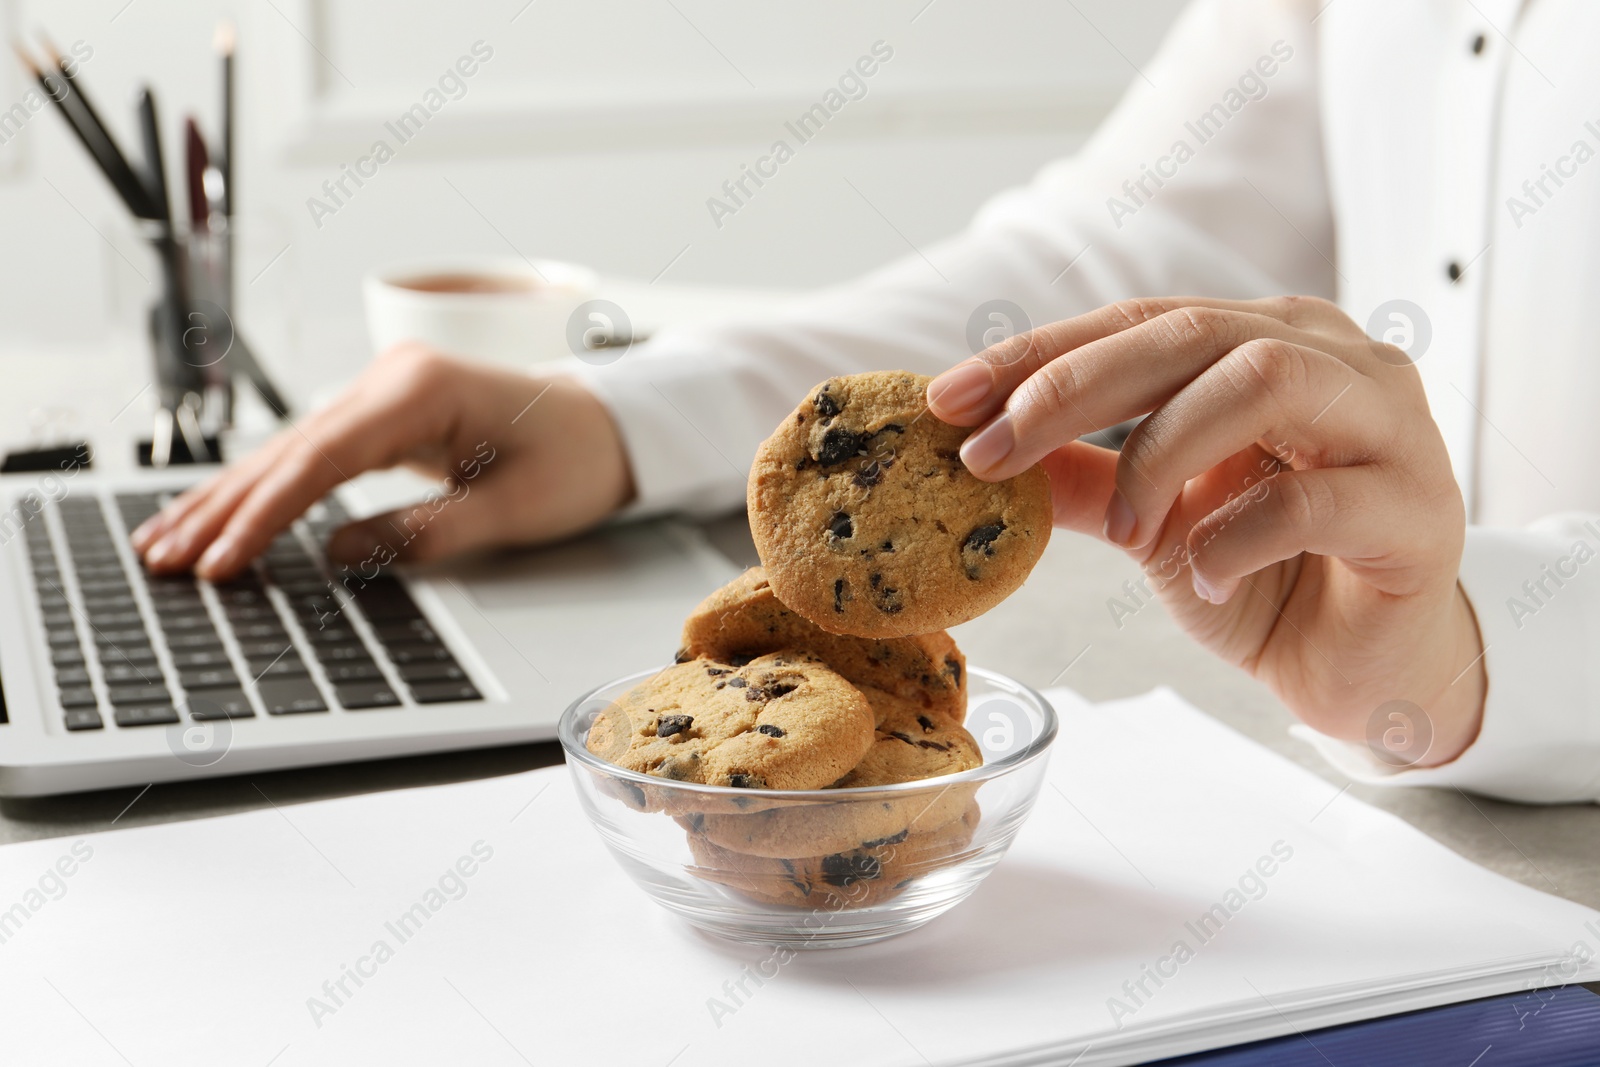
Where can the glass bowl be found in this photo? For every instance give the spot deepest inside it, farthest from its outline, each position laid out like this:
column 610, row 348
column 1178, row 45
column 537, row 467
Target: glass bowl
column 819, row 868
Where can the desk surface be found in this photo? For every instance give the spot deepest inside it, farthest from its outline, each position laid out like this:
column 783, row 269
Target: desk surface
column 1056, row 631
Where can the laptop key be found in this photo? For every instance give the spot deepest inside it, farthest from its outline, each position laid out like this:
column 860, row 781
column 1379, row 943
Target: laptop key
column 61, row 637
column 247, row 613
column 124, row 636
column 358, row 670
column 206, row 705
column 128, row 695
column 71, row 676
column 199, row 658
column 268, row 649
column 194, row 639
column 131, row 674
column 359, row 695
column 444, row 692
column 208, row 678
column 137, row 654
column 285, row 667
column 197, row 620
column 291, row 696
column 104, row 619
column 78, row 697
column 340, row 652
column 66, row 657
column 83, row 719
column 417, row 653
column 432, row 671
column 405, row 630
column 146, row 715
column 261, row 631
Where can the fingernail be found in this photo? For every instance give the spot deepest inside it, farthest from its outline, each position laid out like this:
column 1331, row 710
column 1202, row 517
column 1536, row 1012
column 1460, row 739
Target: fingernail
column 164, row 551
column 145, row 532
column 1203, row 589
column 219, row 558
column 1120, row 520
column 962, row 387
column 983, row 450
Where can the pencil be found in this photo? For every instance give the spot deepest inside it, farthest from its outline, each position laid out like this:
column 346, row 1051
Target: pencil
column 224, row 44
column 84, row 123
column 155, row 174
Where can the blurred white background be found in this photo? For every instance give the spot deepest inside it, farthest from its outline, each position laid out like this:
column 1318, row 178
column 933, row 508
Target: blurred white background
column 595, row 133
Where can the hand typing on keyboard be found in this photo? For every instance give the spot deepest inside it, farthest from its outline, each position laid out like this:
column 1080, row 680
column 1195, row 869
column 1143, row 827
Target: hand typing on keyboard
column 524, row 459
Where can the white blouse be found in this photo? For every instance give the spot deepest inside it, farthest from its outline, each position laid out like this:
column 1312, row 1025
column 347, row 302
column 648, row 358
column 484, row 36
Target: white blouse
column 1432, row 165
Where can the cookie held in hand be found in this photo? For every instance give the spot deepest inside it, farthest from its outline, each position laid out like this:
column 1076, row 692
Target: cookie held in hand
column 868, row 523
column 782, row 721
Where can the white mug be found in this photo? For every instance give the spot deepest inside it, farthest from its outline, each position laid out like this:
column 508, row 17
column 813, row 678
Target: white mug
column 503, row 311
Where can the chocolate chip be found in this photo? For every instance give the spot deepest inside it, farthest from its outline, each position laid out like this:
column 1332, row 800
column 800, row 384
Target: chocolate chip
column 839, row 595
column 953, row 665
column 892, row 427
column 746, row 781
column 771, row 692
column 981, row 539
column 825, row 404
column 843, row 869
column 925, row 722
column 635, row 792
column 697, row 820
column 897, row 735
column 770, row 730
column 682, row 656
column 936, row 746
column 673, row 724
column 801, row 465
column 738, row 683
column 838, row 445
column 839, row 527
column 887, row 546
column 714, row 671
column 871, row 472
column 874, row 578
column 888, row 600
column 979, row 546
column 892, row 840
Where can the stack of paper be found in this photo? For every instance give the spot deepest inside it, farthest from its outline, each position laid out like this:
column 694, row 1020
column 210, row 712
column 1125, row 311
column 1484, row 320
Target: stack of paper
column 1176, row 888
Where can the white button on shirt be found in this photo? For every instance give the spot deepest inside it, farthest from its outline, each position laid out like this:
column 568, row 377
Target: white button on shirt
column 1362, row 150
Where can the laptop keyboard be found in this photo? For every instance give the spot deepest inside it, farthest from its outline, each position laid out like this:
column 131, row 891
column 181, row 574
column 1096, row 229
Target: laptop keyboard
column 277, row 639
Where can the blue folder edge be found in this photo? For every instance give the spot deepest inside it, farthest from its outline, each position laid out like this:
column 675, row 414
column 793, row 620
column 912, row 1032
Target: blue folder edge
column 1553, row 1027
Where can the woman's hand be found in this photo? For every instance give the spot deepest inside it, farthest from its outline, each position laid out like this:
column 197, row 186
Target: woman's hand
column 1289, row 496
column 523, row 459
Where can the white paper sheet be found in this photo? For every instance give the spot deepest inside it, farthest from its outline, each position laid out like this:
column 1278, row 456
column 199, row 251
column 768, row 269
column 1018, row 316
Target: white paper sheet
column 210, row 942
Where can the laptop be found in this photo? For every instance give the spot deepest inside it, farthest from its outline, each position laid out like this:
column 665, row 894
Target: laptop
column 114, row 677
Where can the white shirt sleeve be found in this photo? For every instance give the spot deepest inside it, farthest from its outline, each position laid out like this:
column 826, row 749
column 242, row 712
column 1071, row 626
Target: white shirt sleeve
column 1240, row 210
column 1536, row 593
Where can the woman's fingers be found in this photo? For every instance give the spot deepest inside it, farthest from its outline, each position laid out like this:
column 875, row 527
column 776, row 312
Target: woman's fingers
column 1082, row 477
column 1353, row 513
column 975, row 389
column 1109, row 380
column 1288, row 398
column 189, row 523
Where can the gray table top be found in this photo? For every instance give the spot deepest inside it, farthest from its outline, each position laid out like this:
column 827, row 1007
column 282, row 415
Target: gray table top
column 1057, row 630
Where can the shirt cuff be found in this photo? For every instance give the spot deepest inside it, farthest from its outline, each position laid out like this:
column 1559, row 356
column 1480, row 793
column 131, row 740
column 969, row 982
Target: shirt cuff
column 682, row 461
column 1536, row 593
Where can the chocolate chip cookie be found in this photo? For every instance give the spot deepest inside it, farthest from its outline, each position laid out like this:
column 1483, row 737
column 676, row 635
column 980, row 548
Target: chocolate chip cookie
column 745, row 619
column 909, row 746
column 781, row 721
column 858, row 878
column 868, row 522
